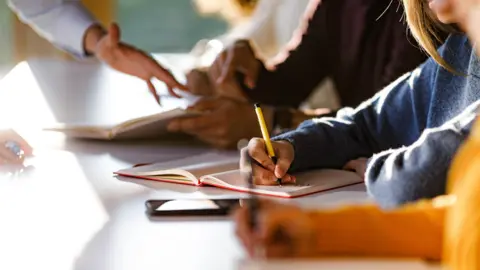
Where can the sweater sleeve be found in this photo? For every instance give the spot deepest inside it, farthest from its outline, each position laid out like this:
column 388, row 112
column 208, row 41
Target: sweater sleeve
column 376, row 125
column 419, row 171
column 300, row 68
column 415, row 230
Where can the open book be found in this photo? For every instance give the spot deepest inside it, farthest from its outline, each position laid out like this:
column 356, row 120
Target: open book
column 150, row 126
column 223, row 172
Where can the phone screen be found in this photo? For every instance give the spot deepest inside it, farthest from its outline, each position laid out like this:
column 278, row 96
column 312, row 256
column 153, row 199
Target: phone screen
column 190, row 207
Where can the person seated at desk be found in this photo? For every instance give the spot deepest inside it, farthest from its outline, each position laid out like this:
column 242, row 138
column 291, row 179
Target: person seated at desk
column 362, row 45
column 446, row 228
column 68, row 25
column 408, row 132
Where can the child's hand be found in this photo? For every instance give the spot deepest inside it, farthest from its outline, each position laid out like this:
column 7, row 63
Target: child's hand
column 282, row 231
column 265, row 172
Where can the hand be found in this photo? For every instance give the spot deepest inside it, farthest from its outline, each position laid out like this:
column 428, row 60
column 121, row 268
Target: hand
column 224, row 122
column 359, row 166
column 298, row 234
column 199, row 83
column 266, row 172
column 128, row 59
column 239, row 57
column 6, row 155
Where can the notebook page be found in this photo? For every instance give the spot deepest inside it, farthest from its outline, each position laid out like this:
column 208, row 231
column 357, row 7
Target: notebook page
column 197, row 166
column 307, row 182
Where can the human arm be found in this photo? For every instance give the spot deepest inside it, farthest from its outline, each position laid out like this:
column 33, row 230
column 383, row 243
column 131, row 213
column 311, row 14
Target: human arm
column 418, row 171
column 63, row 23
column 71, row 27
column 301, row 65
column 415, row 230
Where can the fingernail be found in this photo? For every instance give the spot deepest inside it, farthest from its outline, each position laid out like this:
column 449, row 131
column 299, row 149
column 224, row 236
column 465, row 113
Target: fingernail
column 173, row 126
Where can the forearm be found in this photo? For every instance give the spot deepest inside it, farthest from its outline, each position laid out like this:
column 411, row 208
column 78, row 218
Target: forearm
column 413, row 231
column 302, row 68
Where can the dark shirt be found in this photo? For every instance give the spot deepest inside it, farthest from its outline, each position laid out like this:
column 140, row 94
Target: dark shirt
column 349, row 41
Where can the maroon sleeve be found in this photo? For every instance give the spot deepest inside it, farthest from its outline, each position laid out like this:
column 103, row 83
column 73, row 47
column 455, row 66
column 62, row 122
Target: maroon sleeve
column 304, row 66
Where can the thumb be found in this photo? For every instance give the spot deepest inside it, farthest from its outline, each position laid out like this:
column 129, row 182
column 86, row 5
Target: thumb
column 114, row 33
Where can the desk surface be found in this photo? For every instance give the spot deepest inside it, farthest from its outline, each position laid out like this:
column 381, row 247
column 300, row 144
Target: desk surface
column 67, row 211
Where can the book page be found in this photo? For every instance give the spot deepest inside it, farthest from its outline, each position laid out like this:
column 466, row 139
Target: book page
column 197, row 166
column 307, row 182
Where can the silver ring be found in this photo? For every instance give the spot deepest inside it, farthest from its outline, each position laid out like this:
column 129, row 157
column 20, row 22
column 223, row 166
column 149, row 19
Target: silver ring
column 14, row 148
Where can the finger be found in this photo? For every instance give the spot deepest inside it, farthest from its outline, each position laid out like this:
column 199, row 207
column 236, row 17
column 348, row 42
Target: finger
column 228, row 69
column 114, row 33
column 282, row 166
column 199, row 84
column 165, row 76
column 24, row 145
column 256, row 149
column 350, row 166
column 152, row 90
column 9, row 157
column 262, row 176
column 172, row 92
column 214, row 71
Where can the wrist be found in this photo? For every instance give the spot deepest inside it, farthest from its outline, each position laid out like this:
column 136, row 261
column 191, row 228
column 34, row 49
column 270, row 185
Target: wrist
column 92, row 36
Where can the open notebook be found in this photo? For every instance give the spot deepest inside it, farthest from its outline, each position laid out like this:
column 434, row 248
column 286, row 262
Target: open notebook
column 150, row 126
column 222, row 172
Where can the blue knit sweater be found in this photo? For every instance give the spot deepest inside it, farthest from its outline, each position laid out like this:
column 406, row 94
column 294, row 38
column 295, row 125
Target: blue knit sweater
column 410, row 130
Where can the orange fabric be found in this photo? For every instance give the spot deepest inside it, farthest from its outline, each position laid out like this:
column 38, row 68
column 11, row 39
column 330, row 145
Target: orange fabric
column 412, row 231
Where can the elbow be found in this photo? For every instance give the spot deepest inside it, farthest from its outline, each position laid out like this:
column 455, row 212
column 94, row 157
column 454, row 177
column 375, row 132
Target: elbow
column 408, row 174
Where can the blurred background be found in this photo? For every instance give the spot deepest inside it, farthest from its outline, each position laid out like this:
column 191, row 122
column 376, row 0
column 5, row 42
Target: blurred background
column 153, row 25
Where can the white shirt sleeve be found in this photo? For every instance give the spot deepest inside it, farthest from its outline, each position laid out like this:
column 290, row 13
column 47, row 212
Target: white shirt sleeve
column 62, row 22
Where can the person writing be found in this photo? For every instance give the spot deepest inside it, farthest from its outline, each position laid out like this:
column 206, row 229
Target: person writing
column 360, row 65
column 69, row 26
column 444, row 228
column 408, row 132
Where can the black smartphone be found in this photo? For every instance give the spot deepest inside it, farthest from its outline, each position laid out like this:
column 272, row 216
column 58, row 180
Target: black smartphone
column 191, row 207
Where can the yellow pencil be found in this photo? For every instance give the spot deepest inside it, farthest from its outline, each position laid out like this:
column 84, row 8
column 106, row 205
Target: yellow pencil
column 266, row 136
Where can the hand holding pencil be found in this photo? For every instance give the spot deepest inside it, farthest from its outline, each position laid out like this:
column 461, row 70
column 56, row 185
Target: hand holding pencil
column 273, row 159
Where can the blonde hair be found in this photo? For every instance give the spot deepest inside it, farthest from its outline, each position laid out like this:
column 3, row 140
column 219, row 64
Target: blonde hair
column 426, row 29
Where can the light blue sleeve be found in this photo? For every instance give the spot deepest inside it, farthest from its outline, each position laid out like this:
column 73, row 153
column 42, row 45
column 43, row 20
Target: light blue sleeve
column 62, row 22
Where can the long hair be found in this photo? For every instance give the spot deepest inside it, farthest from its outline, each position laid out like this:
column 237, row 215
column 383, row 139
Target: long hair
column 426, row 28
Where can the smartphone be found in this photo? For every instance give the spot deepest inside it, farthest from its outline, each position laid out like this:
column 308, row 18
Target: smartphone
column 196, row 207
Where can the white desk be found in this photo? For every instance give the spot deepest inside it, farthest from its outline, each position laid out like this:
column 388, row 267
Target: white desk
column 68, row 212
